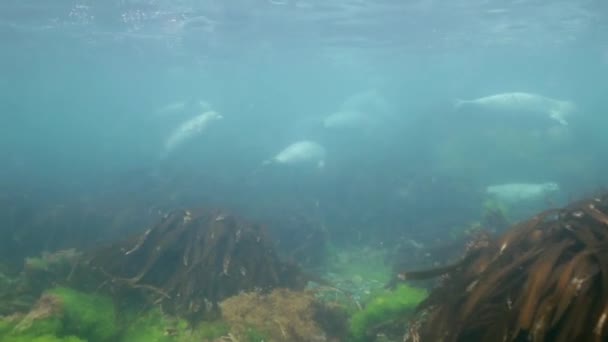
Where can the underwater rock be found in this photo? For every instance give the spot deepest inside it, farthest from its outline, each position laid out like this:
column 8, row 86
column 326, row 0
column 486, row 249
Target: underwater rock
column 21, row 292
column 62, row 314
column 385, row 313
column 282, row 315
column 43, row 318
column 154, row 326
column 90, row 316
column 544, row 280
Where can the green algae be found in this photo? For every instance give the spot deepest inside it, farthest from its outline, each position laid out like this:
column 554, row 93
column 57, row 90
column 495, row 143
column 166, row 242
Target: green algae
column 41, row 321
column 208, row 331
column 384, row 307
column 42, row 338
column 254, row 335
column 38, row 327
column 33, row 330
column 149, row 327
column 356, row 274
column 5, row 326
column 63, row 314
column 66, row 315
column 88, row 315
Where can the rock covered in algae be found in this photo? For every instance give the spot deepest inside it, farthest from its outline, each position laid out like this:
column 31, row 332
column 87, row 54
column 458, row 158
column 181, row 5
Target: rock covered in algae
column 154, row 326
column 88, row 315
column 41, row 338
column 19, row 292
column 282, row 315
column 62, row 314
column 41, row 321
column 384, row 309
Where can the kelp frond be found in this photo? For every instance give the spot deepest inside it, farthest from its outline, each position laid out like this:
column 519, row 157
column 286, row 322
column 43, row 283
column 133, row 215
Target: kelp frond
column 545, row 280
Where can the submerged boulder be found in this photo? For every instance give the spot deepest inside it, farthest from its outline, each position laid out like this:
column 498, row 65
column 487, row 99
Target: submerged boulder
column 66, row 315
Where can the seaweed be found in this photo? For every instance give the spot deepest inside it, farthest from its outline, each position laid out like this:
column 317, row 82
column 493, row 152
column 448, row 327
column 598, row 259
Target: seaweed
column 385, row 309
column 191, row 260
column 154, row 326
column 63, row 314
column 91, row 316
column 546, row 279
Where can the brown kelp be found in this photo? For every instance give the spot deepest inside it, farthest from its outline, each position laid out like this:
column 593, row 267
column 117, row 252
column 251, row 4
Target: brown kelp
column 191, row 260
column 545, row 280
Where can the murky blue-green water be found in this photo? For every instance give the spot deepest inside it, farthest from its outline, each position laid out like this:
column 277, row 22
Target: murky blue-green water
column 92, row 91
